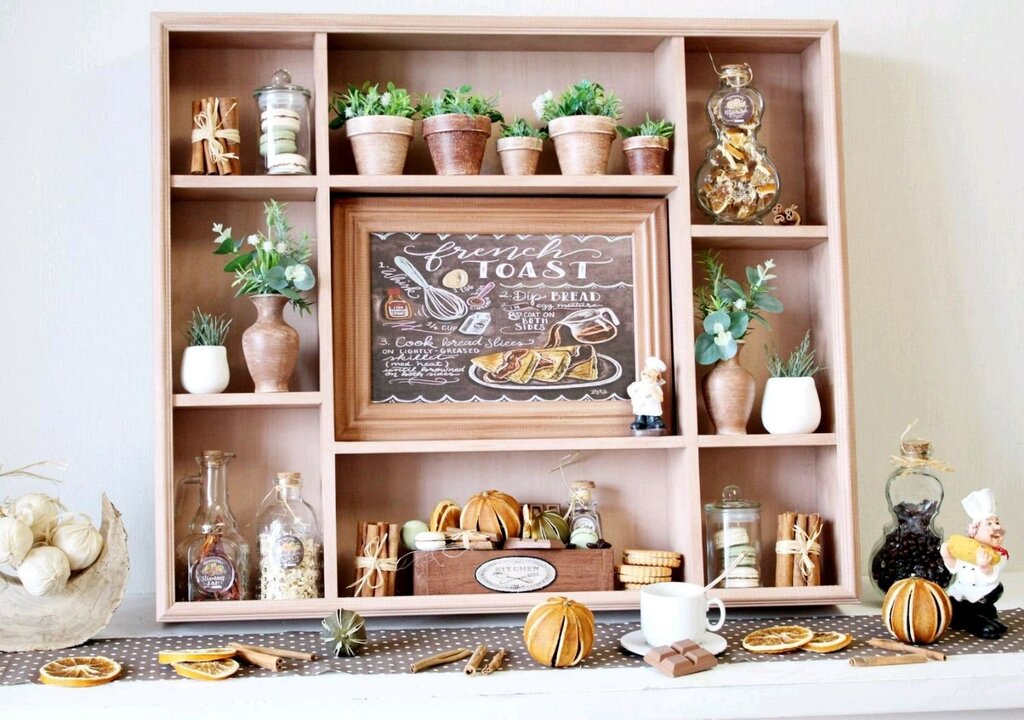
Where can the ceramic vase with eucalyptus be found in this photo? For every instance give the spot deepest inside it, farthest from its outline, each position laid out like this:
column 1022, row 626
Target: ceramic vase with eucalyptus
column 729, row 396
column 270, row 345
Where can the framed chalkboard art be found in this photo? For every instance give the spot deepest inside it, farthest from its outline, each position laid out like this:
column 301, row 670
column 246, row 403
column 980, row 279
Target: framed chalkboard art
column 495, row 318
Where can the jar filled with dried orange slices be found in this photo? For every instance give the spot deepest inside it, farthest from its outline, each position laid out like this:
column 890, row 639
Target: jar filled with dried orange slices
column 737, row 183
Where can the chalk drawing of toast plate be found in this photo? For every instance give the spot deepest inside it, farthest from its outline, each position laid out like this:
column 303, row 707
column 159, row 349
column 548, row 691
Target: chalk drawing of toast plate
column 609, row 370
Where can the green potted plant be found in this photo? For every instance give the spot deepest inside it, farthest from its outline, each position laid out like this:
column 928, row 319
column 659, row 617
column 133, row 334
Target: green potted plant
column 379, row 126
column 272, row 269
column 519, row 147
column 204, row 364
column 646, row 145
column 582, row 123
column 457, row 126
column 725, row 308
column 790, row 403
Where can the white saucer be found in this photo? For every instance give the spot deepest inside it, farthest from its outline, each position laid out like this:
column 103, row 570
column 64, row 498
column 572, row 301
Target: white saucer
column 634, row 642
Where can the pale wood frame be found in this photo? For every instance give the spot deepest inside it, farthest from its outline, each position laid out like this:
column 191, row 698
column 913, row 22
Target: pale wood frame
column 357, row 418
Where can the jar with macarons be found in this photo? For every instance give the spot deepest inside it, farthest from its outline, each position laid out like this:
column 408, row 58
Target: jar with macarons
column 284, row 144
column 733, row 539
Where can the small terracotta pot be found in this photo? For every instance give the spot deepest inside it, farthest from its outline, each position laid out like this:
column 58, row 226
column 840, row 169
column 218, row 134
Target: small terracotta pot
column 270, row 345
column 645, row 154
column 379, row 143
column 729, row 396
column 457, row 142
column 583, row 143
column 519, row 155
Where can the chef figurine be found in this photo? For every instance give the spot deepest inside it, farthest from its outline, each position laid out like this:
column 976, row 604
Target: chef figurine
column 977, row 561
column 647, row 396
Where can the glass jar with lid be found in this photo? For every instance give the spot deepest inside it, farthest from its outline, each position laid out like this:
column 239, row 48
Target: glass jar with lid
column 584, row 519
column 732, row 527
column 284, row 126
column 289, row 542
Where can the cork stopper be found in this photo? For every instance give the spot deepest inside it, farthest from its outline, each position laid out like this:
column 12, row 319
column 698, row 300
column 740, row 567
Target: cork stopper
column 736, row 75
column 289, row 479
column 583, row 485
column 916, row 448
column 213, row 458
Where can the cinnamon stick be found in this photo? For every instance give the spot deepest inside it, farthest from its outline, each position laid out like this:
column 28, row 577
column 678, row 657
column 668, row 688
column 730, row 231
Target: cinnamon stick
column 360, row 544
column 279, row 652
column 909, row 659
column 902, row 647
column 448, row 656
column 229, row 121
column 474, row 662
column 368, row 541
column 394, row 538
column 211, row 166
column 495, row 663
column 798, row 575
column 196, row 166
column 382, row 577
column 783, row 561
column 814, row 526
column 254, row 657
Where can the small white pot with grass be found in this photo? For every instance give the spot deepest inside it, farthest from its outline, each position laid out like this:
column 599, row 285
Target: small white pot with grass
column 790, row 404
column 204, row 366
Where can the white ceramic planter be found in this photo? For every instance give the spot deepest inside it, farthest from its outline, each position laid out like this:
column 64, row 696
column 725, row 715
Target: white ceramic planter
column 790, row 405
column 204, row 369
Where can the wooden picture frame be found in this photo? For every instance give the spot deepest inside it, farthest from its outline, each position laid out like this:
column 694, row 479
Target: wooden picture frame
column 356, row 221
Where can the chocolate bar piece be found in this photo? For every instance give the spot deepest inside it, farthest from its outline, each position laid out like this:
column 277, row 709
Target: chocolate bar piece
column 683, row 657
column 658, row 654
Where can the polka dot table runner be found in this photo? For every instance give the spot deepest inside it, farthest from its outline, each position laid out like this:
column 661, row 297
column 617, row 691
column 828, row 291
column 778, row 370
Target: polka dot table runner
column 390, row 652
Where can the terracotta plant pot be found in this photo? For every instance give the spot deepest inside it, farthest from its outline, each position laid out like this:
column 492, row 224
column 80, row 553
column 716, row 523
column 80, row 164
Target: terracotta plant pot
column 729, row 396
column 645, row 154
column 519, row 155
column 379, row 143
column 270, row 345
column 457, row 142
column 583, row 143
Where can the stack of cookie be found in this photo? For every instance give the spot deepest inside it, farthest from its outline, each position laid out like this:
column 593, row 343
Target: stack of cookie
column 646, row 567
column 279, row 142
column 730, row 544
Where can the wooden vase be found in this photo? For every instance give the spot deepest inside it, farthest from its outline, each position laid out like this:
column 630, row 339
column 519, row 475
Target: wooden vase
column 519, row 155
column 270, row 345
column 582, row 143
column 729, row 396
column 457, row 142
column 645, row 154
column 380, row 143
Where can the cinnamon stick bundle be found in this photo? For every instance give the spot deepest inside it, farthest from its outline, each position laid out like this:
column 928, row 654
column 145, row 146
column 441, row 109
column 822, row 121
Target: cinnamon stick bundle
column 784, row 561
column 814, row 528
column 798, row 575
column 219, row 117
column 198, row 163
column 229, row 121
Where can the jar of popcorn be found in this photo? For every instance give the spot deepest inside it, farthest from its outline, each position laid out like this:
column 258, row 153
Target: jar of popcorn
column 284, row 126
column 290, row 544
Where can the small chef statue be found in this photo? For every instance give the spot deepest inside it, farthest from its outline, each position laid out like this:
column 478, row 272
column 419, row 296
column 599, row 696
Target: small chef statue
column 647, row 396
column 977, row 561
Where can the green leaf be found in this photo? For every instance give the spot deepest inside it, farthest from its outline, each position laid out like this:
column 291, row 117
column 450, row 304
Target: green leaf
column 728, row 350
column 276, row 278
column 337, row 122
column 752, row 277
column 705, row 350
column 735, row 289
column 719, row 317
column 239, row 263
column 226, row 247
column 308, row 280
column 769, row 303
column 738, row 328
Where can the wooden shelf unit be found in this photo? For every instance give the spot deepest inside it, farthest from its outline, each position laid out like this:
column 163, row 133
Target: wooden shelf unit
column 651, row 489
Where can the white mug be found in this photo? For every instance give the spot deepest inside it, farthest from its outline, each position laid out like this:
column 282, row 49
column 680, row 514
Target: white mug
column 673, row 611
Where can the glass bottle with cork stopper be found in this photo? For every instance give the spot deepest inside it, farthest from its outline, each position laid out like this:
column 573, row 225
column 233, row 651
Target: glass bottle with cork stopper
column 284, row 126
column 733, row 536
column 910, row 545
column 584, row 519
column 289, row 542
column 213, row 559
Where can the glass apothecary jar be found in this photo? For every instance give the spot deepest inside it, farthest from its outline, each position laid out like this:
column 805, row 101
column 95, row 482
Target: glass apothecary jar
column 910, row 545
column 212, row 561
column 284, row 126
column 290, row 543
column 737, row 183
column 732, row 528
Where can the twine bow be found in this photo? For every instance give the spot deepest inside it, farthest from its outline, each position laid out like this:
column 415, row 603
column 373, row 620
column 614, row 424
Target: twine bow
column 906, row 463
column 802, row 545
column 208, row 127
column 374, row 564
column 466, row 537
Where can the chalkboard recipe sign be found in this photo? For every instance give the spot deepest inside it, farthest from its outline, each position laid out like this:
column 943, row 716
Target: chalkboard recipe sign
column 494, row 312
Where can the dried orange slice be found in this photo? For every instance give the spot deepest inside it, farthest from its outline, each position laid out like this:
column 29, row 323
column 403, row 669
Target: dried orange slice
column 826, row 642
column 169, row 657
column 777, row 639
column 206, row 669
column 79, row 671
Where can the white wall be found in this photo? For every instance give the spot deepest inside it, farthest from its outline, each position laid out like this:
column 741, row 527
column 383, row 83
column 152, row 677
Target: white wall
column 931, row 109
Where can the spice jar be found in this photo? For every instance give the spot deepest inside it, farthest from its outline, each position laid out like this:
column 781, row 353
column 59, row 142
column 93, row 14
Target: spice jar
column 737, row 182
column 732, row 528
column 213, row 559
column 284, row 126
column 910, row 546
column 584, row 520
column 290, row 544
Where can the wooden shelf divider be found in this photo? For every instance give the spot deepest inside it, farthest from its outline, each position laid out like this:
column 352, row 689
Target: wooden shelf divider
column 379, row 447
column 612, row 185
column 248, row 400
column 761, row 440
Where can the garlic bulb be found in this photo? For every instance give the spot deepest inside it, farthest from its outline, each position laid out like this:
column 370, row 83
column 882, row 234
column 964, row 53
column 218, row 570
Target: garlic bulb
column 15, row 541
column 44, row 571
column 39, row 512
column 75, row 535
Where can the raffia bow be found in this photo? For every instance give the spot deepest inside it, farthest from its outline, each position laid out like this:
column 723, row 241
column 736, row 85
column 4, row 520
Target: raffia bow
column 802, row 545
column 374, row 564
column 467, row 537
column 208, row 127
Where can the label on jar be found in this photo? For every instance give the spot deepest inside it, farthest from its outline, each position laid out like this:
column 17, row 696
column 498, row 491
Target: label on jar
column 288, row 552
column 213, row 574
column 736, row 109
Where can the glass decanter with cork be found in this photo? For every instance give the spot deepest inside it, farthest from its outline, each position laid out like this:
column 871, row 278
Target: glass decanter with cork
column 289, row 543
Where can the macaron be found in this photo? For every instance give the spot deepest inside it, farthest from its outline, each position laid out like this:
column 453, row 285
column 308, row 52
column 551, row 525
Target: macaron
column 287, row 164
column 410, row 530
column 743, row 577
column 731, row 536
column 430, row 541
column 278, row 147
column 581, row 537
column 729, row 554
column 280, row 120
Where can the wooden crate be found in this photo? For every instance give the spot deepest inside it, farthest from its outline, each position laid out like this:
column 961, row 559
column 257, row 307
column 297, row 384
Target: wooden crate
column 465, row 573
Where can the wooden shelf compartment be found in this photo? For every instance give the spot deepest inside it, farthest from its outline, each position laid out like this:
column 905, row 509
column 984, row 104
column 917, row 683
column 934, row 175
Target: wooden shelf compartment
column 758, row 237
column 248, row 400
column 766, row 440
column 516, row 76
column 244, row 187
column 807, row 293
column 607, row 185
column 198, row 280
column 626, row 444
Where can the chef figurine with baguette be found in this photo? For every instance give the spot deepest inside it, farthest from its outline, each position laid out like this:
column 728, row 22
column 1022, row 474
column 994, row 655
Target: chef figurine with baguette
column 647, row 396
column 977, row 559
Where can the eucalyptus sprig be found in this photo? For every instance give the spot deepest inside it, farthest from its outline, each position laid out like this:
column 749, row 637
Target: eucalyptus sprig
column 583, row 98
column 800, row 362
column 459, row 102
column 648, row 128
column 520, row 128
column 276, row 264
column 368, row 100
column 206, row 330
column 725, row 307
